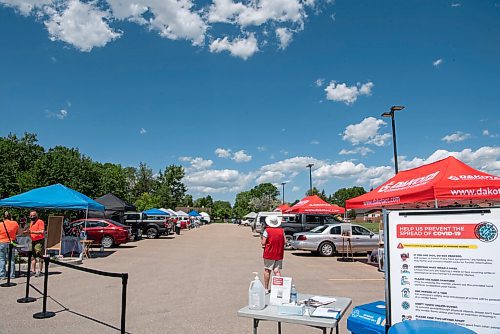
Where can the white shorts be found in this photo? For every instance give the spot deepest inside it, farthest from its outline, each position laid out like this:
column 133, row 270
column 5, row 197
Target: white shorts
column 273, row 264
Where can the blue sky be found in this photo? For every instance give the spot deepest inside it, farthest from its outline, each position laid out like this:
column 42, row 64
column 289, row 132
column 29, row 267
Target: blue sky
column 252, row 91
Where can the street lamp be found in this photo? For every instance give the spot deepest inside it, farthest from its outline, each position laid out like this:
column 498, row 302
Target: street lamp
column 283, row 192
column 391, row 115
column 310, row 179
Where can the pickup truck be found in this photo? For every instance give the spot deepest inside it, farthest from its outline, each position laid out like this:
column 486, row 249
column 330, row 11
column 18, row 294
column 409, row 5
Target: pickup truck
column 302, row 222
column 151, row 225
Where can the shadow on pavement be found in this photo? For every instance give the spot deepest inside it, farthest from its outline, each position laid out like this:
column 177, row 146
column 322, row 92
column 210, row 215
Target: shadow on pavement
column 98, row 254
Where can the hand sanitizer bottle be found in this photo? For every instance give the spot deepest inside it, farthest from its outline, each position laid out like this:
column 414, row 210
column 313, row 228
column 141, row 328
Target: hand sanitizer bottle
column 293, row 295
column 256, row 294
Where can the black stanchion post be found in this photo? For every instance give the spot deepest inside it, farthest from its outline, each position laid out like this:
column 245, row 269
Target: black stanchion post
column 45, row 314
column 9, row 269
column 27, row 298
column 124, row 302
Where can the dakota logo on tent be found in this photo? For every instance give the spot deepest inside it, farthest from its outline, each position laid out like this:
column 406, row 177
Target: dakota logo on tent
column 401, row 185
column 472, row 177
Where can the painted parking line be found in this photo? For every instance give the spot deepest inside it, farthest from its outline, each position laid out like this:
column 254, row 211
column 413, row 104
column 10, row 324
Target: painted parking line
column 356, row 279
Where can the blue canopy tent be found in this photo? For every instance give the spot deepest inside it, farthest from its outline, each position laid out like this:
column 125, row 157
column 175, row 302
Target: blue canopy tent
column 156, row 212
column 55, row 196
column 194, row 213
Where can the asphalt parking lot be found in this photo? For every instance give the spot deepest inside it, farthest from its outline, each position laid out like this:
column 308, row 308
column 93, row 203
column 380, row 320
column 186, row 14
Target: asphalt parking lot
column 190, row 283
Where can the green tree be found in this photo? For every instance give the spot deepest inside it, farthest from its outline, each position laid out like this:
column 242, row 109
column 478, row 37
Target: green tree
column 204, row 202
column 315, row 191
column 170, row 187
column 343, row 194
column 242, row 204
column 221, row 210
column 147, row 201
column 187, row 200
column 18, row 157
column 144, row 180
column 113, row 179
column 264, row 197
column 66, row 166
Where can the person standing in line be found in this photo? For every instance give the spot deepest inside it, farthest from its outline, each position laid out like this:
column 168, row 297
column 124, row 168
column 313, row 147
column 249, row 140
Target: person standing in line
column 273, row 241
column 8, row 233
column 37, row 233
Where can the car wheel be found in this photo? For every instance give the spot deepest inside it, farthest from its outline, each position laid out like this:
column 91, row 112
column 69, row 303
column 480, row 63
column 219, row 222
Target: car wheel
column 107, row 241
column 326, row 249
column 288, row 243
column 152, row 233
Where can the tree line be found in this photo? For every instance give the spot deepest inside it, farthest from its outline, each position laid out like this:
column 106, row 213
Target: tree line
column 28, row 165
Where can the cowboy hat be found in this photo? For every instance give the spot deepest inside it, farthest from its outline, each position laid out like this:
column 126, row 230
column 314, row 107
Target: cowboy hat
column 273, row 221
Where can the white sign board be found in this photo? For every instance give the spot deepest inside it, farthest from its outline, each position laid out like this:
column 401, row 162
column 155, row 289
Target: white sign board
column 280, row 290
column 444, row 265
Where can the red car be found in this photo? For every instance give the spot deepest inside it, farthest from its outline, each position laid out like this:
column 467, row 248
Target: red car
column 105, row 232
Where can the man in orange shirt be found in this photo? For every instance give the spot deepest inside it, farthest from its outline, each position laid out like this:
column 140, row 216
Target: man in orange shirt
column 8, row 232
column 37, row 233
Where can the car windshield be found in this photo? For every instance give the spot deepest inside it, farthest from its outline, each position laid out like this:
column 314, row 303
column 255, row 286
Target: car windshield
column 319, row 229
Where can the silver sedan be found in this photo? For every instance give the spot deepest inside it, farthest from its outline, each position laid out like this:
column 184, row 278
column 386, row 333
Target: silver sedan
column 326, row 240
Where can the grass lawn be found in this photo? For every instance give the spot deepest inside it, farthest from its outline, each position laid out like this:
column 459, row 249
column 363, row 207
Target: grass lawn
column 371, row 226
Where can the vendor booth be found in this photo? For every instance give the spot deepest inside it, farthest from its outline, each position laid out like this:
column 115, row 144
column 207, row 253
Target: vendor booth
column 282, row 208
column 115, row 208
column 441, row 236
column 57, row 197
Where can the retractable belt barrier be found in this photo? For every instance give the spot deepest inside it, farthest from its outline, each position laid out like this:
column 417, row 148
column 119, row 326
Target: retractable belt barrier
column 47, row 314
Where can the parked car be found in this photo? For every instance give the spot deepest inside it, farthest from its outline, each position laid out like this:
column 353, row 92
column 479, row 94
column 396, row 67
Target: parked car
column 105, row 232
column 151, row 225
column 185, row 222
column 326, row 240
column 302, row 222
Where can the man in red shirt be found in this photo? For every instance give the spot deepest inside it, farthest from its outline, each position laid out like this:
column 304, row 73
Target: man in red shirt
column 8, row 233
column 37, row 233
column 273, row 241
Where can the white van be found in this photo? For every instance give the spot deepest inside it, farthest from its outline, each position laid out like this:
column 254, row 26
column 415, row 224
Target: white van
column 260, row 220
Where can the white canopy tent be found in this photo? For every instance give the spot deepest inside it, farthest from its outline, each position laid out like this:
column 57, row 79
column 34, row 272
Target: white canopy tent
column 205, row 216
column 251, row 215
column 171, row 212
column 181, row 213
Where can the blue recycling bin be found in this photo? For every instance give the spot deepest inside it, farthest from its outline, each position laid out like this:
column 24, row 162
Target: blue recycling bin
column 367, row 319
column 428, row 327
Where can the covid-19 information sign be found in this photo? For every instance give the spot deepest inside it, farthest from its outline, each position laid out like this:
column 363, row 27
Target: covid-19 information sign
column 444, row 265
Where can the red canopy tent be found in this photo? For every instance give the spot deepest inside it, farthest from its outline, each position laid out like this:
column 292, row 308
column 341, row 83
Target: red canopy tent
column 282, row 208
column 314, row 204
column 446, row 181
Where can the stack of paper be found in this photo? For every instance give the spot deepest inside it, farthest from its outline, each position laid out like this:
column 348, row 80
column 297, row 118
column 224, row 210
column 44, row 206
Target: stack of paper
column 325, row 312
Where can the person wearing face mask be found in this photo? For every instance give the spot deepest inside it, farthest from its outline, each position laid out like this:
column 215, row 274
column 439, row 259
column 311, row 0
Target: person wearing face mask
column 37, row 233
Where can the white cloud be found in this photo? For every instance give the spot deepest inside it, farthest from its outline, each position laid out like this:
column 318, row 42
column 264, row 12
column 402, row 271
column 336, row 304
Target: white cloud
column 225, row 11
column 363, row 151
column 366, row 132
column 292, row 166
column 80, row 24
column 295, row 189
column 284, row 152
column 62, row 114
column 241, row 156
column 239, row 47
column 314, row 142
column 456, row 4
column 271, row 177
column 142, row 131
column 223, row 152
column 437, row 62
column 340, row 92
column 217, row 181
column 261, row 148
column 488, row 134
column 319, row 82
column 284, row 36
column 26, row 7
column 197, row 163
column 456, row 137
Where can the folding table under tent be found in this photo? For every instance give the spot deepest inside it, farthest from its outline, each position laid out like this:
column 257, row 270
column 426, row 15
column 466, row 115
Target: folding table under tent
column 445, row 182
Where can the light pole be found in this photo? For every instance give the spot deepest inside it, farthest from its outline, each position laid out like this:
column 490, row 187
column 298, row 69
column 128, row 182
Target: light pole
column 391, row 115
column 310, row 179
column 283, row 192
